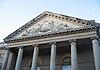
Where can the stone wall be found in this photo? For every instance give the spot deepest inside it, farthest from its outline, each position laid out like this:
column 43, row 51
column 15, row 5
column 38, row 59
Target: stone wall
column 86, row 61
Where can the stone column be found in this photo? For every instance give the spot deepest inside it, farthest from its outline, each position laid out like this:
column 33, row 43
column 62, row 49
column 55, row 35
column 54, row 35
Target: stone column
column 35, row 58
column 19, row 58
column 53, row 56
column 96, row 52
column 9, row 61
column 74, row 62
column 5, row 60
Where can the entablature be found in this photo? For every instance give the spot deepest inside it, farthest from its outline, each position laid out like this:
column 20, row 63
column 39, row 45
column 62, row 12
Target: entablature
column 52, row 34
column 53, row 39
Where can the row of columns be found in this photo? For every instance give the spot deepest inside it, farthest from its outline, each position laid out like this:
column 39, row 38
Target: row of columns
column 74, row 62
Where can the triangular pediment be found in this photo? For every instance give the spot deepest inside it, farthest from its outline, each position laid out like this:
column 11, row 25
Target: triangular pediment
column 49, row 25
column 48, row 22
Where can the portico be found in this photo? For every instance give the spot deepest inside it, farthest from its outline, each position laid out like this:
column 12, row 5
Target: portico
column 47, row 48
column 74, row 59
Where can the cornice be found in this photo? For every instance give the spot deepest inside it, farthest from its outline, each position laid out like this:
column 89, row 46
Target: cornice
column 60, row 33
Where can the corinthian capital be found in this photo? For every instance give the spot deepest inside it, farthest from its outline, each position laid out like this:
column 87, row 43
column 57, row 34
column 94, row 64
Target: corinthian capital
column 35, row 45
column 52, row 43
column 20, row 47
column 72, row 40
column 94, row 37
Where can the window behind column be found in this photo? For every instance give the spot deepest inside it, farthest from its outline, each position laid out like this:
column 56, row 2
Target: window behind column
column 66, row 63
column 38, row 65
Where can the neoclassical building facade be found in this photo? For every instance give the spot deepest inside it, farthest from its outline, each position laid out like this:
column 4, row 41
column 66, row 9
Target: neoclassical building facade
column 53, row 41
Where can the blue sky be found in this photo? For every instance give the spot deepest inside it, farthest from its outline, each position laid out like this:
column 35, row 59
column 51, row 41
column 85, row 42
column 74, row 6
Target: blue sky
column 15, row 13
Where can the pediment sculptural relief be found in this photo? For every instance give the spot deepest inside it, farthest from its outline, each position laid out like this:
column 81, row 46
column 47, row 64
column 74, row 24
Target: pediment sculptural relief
column 46, row 27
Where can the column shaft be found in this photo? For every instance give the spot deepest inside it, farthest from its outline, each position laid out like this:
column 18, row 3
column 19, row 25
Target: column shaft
column 19, row 59
column 35, row 58
column 74, row 62
column 53, row 57
column 5, row 60
column 9, row 61
column 96, row 53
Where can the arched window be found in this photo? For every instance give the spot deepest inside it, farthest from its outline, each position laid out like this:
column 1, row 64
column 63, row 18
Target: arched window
column 66, row 63
column 38, row 64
